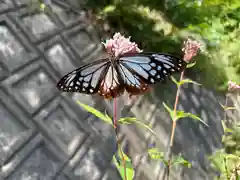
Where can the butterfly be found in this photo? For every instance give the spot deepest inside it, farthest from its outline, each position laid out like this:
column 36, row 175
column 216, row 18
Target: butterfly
column 110, row 77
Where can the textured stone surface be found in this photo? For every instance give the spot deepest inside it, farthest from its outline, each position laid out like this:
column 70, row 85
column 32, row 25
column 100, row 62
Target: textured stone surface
column 44, row 134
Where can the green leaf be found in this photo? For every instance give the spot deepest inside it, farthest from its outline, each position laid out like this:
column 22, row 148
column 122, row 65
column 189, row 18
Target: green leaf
column 146, row 126
column 181, row 160
column 42, row 6
column 175, row 81
column 191, row 64
column 131, row 120
column 97, row 113
column 232, row 156
column 184, row 81
column 169, row 110
column 230, row 108
column 109, row 9
column 157, row 155
column 129, row 167
column 225, row 108
column 127, row 120
column 225, row 129
column 238, row 177
column 182, row 114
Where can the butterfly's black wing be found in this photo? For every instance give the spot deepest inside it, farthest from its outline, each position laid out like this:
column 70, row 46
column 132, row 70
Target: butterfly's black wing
column 86, row 79
column 140, row 70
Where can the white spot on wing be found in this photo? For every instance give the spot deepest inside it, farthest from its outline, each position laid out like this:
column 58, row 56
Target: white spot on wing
column 153, row 64
column 85, row 84
column 153, row 72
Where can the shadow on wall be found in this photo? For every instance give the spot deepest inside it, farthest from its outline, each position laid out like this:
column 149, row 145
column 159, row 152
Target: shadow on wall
column 193, row 140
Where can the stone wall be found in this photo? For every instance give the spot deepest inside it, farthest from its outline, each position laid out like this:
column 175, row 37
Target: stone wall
column 43, row 133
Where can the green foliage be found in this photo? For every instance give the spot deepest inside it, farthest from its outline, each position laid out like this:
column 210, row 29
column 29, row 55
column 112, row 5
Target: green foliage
column 180, row 160
column 129, row 167
column 231, row 141
column 129, row 120
column 155, row 154
column 181, row 114
column 227, row 160
column 97, row 113
column 184, row 81
column 161, row 26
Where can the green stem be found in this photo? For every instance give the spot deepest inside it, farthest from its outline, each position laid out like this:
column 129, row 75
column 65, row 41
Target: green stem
column 174, row 125
column 117, row 138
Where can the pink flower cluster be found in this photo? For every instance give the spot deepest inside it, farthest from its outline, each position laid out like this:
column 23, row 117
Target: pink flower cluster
column 190, row 49
column 120, row 45
column 233, row 86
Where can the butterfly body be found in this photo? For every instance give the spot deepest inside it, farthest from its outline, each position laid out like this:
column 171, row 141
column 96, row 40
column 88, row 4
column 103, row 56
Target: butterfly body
column 110, row 77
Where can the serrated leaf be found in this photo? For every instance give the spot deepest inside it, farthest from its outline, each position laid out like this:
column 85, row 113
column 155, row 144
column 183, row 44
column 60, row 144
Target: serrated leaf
column 169, row 110
column 129, row 167
column 182, row 114
column 184, row 81
column 191, row 64
column 182, row 161
column 96, row 113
